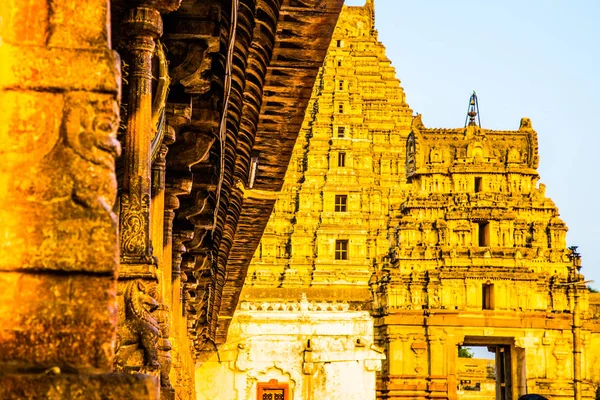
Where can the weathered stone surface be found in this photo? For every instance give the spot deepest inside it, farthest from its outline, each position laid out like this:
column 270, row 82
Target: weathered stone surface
column 47, row 386
column 57, row 199
column 58, row 68
column 56, row 23
column 68, row 321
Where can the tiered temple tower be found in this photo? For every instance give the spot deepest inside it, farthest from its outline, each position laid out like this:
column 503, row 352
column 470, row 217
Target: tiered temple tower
column 480, row 259
column 330, row 220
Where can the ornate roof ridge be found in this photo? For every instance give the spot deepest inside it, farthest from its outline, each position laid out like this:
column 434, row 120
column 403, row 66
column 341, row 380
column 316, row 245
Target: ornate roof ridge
column 461, row 130
column 525, row 127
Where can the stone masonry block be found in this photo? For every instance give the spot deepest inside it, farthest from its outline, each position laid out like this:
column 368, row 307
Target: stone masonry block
column 57, row 182
column 24, row 22
column 78, row 24
column 49, row 320
column 79, row 387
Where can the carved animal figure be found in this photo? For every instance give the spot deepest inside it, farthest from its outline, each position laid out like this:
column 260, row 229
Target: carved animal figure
column 140, row 330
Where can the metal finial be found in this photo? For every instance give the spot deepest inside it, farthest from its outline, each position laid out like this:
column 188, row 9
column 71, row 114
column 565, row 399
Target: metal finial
column 473, row 111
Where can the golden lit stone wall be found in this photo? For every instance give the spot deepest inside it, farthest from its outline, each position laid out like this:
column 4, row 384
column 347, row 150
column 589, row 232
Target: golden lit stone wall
column 59, row 89
column 351, row 144
column 593, row 324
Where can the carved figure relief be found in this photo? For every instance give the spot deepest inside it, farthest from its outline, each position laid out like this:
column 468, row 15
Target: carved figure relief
column 411, row 162
column 139, row 332
column 513, row 156
column 539, row 234
column 164, row 346
column 442, row 229
column 90, row 127
column 435, row 156
column 560, row 353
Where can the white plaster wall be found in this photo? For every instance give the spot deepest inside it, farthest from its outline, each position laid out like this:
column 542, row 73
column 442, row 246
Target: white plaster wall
column 322, row 350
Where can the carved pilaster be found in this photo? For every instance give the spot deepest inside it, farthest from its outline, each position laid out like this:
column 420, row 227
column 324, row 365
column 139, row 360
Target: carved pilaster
column 143, row 343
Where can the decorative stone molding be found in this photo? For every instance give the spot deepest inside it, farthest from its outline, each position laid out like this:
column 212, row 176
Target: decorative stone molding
column 302, row 306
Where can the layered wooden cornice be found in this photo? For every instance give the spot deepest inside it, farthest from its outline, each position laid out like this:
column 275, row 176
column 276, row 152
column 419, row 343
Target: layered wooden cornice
column 263, row 79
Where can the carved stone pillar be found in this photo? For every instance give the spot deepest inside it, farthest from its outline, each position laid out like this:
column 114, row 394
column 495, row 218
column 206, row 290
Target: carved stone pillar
column 59, row 88
column 143, row 339
column 142, row 25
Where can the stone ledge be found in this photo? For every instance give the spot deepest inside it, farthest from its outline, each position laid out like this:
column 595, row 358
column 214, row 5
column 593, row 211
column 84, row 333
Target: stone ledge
column 79, row 387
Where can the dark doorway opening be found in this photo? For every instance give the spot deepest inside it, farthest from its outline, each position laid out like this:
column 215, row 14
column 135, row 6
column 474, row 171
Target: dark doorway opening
column 478, row 184
column 484, row 234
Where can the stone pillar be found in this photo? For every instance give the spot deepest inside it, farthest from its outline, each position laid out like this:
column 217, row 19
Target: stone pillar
column 143, row 338
column 59, row 90
column 142, row 25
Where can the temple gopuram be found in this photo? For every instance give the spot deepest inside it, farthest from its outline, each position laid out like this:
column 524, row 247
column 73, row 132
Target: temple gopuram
column 144, row 144
column 480, row 259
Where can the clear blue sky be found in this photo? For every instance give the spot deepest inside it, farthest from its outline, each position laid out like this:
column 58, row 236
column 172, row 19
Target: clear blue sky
column 530, row 58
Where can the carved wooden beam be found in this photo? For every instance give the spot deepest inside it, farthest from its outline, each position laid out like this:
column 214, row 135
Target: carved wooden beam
column 302, row 35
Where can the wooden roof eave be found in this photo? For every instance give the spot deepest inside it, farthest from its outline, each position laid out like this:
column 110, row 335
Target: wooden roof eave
column 303, row 35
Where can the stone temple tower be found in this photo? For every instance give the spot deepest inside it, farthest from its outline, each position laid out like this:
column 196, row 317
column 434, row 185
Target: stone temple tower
column 480, row 259
column 330, row 221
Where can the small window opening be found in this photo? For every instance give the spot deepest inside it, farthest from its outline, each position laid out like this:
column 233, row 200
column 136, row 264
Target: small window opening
column 272, row 390
column 341, row 203
column 341, row 249
column 341, row 85
column 478, row 184
column 341, row 131
column 339, row 43
column 341, row 108
column 339, row 63
column 484, row 234
column 341, row 159
column 487, row 301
